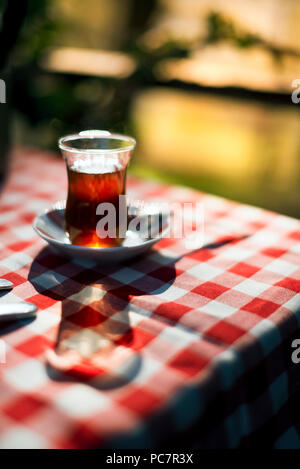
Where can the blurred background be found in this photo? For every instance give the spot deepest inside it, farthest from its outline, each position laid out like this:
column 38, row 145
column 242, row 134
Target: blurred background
column 204, row 86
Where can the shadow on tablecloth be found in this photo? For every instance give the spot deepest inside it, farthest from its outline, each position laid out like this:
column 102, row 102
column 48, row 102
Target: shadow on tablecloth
column 96, row 342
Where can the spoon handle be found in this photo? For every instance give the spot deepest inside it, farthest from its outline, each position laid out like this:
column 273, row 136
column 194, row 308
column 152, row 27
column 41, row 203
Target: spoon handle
column 5, row 284
column 12, row 311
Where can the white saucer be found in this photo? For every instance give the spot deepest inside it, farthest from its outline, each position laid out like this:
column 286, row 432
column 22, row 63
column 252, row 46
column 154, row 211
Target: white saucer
column 50, row 226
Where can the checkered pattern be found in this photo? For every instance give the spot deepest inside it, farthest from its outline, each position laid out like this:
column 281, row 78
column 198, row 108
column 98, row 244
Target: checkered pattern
column 177, row 348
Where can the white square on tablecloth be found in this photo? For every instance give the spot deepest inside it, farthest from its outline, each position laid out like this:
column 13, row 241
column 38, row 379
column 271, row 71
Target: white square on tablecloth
column 85, row 341
column 169, row 294
column 218, row 309
column 6, row 217
column 265, row 238
column 22, row 438
column 281, row 267
column 16, row 261
column 204, row 271
column 10, row 298
column 46, row 319
column 149, row 366
column 164, row 256
column 247, row 213
column 36, row 205
column 13, row 197
column 293, row 304
column 81, row 401
column 296, row 248
column 27, row 376
column 87, row 295
column 286, row 223
column 179, row 335
column 49, row 279
column 236, row 254
column 24, row 232
column 135, row 313
column 251, row 287
column 127, row 275
column 267, row 333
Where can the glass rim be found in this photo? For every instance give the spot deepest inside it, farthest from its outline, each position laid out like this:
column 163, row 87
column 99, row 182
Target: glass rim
column 96, row 134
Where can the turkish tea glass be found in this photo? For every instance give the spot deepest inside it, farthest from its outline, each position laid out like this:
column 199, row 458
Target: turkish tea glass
column 96, row 162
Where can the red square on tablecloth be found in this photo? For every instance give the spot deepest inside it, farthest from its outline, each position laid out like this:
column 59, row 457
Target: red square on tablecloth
column 35, row 346
column 244, row 269
column 210, row 290
column 225, row 332
column 140, row 400
column 172, row 310
column 15, row 278
column 20, row 245
column 42, row 301
column 290, row 284
column 23, row 407
column 188, row 362
column 273, row 252
column 87, row 317
column 135, row 339
column 261, row 307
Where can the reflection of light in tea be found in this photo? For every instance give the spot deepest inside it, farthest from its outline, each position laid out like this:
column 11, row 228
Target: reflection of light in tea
column 97, row 165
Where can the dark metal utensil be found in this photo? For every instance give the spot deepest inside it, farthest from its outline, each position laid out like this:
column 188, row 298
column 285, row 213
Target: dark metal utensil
column 5, row 284
column 13, row 311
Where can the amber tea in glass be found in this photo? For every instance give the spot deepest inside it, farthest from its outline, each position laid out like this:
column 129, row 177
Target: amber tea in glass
column 96, row 165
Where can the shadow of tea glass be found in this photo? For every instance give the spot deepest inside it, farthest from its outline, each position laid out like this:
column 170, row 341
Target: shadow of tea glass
column 96, row 163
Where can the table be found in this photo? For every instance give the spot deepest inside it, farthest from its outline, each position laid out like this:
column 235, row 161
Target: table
column 207, row 335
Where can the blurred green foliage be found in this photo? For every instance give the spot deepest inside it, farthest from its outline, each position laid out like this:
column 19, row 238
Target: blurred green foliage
column 39, row 30
column 50, row 104
column 220, row 28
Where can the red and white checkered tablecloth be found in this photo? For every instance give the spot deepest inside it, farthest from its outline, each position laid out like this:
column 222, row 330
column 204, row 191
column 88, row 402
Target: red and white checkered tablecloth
column 198, row 346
